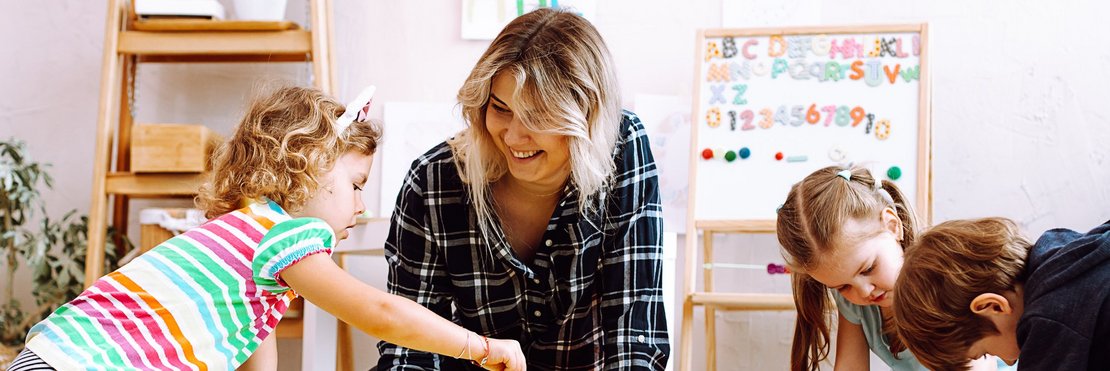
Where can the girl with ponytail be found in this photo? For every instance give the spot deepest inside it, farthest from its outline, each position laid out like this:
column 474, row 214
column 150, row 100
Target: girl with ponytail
column 842, row 232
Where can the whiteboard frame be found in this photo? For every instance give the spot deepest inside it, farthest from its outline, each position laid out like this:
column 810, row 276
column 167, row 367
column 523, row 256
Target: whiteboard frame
column 923, row 200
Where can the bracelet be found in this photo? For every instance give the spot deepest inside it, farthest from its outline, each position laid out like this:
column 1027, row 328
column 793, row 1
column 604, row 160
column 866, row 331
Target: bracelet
column 466, row 349
column 485, row 357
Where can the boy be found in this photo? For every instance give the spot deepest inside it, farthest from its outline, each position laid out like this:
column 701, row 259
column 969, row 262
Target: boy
column 975, row 287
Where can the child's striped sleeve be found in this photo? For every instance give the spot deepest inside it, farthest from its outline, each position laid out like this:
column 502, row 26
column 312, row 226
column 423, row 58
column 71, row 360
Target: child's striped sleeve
column 286, row 244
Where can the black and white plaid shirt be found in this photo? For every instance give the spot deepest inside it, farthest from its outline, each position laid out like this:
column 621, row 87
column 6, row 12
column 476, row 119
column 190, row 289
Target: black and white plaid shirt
column 592, row 297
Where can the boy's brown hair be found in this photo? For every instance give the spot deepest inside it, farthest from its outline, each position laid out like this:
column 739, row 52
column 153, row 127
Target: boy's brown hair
column 947, row 267
column 285, row 142
column 809, row 226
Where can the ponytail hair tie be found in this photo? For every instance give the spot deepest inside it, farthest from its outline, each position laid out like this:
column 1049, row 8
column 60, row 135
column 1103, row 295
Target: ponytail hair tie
column 846, row 174
column 357, row 110
column 882, row 192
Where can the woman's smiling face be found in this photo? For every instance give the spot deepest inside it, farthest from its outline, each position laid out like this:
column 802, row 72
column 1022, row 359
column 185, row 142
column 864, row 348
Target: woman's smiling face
column 538, row 159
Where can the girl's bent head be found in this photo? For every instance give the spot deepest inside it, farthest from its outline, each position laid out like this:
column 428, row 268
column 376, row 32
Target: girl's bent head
column 843, row 229
column 840, row 225
column 283, row 147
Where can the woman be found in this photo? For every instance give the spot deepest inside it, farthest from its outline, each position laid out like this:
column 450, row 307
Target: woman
column 540, row 222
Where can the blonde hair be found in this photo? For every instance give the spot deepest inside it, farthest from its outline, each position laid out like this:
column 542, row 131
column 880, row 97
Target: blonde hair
column 943, row 271
column 285, row 142
column 566, row 85
column 809, row 226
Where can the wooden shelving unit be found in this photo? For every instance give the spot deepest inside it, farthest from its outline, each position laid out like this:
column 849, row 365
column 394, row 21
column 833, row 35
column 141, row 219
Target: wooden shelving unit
column 180, row 41
column 186, row 41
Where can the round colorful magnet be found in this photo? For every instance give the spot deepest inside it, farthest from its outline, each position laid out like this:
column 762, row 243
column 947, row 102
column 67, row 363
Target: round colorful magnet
column 894, row 173
column 745, row 152
column 707, row 153
column 730, row 156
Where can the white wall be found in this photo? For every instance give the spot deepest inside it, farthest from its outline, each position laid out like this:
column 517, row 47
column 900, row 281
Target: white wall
column 1019, row 113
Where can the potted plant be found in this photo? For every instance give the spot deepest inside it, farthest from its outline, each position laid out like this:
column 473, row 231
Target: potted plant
column 52, row 249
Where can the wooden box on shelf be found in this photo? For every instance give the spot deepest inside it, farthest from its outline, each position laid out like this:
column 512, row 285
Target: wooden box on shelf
column 171, row 148
column 150, row 235
column 151, row 222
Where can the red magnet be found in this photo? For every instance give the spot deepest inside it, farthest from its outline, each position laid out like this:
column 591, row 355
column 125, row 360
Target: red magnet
column 707, row 153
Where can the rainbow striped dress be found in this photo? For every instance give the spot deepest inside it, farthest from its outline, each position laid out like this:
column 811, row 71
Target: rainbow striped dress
column 202, row 300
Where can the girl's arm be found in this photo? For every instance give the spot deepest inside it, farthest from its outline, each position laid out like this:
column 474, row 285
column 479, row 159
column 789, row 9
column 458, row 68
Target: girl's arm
column 265, row 358
column 392, row 318
column 851, row 346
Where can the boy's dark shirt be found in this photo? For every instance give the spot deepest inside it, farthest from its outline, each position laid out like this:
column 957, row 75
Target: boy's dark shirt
column 1066, row 319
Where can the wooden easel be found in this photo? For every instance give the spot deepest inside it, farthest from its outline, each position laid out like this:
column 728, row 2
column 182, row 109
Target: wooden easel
column 713, row 301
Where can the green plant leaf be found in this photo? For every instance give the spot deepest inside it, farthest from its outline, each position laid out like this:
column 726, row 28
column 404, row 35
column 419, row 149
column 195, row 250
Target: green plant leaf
column 54, row 249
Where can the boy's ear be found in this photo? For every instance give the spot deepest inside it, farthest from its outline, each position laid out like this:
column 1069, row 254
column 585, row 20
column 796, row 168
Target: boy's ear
column 990, row 304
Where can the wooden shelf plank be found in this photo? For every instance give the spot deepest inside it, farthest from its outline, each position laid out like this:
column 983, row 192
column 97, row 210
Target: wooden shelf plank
column 196, row 46
column 290, row 328
column 154, row 185
column 211, row 58
column 737, row 301
column 736, row 226
column 371, row 219
column 207, row 25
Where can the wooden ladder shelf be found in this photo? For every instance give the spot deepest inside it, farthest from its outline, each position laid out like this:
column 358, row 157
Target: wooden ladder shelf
column 125, row 46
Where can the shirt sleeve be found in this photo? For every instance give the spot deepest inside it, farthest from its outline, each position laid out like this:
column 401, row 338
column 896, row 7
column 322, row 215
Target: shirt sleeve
column 286, row 244
column 416, row 272
column 633, row 318
column 848, row 310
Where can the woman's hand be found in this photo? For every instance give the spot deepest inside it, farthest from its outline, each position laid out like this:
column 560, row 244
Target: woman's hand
column 505, row 355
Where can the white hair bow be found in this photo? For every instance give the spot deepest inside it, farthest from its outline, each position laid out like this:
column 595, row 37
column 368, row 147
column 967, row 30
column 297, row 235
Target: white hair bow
column 357, row 110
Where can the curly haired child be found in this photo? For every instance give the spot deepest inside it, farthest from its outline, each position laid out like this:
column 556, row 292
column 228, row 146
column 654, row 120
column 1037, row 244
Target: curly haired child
column 284, row 189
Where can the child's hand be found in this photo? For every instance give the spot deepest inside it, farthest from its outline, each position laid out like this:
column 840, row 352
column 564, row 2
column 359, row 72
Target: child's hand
column 505, row 355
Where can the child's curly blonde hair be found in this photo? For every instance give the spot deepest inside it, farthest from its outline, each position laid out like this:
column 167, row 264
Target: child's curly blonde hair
column 285, row 142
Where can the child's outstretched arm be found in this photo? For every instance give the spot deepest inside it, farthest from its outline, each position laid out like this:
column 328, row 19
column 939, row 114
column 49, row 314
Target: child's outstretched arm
column 851, row 346
column 393, row 318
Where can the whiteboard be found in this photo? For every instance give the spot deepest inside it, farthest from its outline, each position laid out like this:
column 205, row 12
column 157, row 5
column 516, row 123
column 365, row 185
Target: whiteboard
column 666, row 119
column 800, row 99
column 410, row 129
